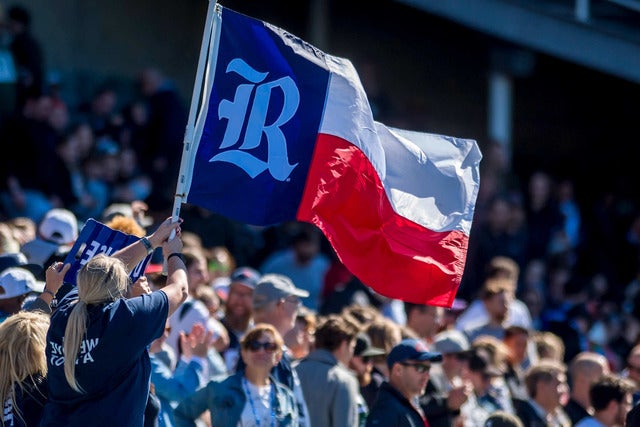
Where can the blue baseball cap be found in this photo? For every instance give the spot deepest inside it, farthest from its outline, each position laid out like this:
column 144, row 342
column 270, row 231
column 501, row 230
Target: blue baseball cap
column 411, row 349
column 246, row 276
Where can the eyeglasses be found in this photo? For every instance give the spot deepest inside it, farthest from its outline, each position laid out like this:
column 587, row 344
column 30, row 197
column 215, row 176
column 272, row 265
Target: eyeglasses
column 268, row 346
column 420, row 368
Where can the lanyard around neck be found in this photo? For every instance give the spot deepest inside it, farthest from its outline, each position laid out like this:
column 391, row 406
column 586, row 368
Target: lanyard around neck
column 253, row 408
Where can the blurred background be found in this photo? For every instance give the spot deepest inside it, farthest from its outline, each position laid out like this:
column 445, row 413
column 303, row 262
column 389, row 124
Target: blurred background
column 554, row 82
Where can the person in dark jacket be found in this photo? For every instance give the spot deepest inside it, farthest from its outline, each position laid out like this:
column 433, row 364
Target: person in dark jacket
column 585, row 369
column 397, row 404
column 546, row 385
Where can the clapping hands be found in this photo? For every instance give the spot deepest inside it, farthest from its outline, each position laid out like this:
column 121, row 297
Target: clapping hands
column 197, row 342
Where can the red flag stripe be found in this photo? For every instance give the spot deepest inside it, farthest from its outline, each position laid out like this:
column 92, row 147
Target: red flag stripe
column 345, row 198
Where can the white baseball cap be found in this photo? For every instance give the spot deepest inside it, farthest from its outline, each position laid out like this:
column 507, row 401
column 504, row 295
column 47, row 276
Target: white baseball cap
column 17, row 281
column 59, row 226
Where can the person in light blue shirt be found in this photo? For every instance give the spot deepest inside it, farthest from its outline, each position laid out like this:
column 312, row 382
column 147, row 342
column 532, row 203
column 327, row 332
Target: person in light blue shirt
column 171, row 386
column 303, row 263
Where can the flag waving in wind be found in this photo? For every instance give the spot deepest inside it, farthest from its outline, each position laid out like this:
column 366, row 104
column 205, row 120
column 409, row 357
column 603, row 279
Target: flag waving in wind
column 285, row 132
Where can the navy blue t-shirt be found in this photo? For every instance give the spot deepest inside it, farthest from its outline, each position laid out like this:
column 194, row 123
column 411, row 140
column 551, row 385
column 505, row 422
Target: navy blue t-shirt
column 26, row 410
column 112, row 366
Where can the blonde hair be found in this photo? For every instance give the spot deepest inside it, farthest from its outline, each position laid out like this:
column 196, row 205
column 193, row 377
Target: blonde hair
column 549, row 345
column 384, row 334
column 497, row 349
column 102, row 279
column 364, row 314
column 23, row 338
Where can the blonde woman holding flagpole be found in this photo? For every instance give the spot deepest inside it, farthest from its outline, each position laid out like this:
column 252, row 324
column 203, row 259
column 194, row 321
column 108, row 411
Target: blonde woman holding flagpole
column 97, row 344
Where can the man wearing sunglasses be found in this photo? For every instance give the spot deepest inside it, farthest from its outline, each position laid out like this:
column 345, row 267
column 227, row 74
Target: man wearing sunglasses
column 397, row 404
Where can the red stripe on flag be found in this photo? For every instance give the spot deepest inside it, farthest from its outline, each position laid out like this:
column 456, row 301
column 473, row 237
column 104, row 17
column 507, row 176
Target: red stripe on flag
column 393, row 255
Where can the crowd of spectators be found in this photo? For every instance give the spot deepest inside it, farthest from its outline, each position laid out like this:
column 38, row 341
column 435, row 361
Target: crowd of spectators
column 546, row 322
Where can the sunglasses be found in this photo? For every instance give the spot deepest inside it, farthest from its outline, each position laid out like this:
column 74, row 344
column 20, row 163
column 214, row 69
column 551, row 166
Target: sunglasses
column 420, row 368
column 293, row 300
column 269, row 347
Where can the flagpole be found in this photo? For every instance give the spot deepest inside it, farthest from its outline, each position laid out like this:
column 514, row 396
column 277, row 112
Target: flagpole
column 185, row 162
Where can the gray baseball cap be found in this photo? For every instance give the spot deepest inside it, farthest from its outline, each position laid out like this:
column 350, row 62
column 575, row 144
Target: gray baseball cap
column 450, row 341
column 272, row 287
column 364, row 347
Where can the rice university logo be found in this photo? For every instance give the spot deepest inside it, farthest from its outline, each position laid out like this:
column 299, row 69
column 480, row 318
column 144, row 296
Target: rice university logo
column 236, row 111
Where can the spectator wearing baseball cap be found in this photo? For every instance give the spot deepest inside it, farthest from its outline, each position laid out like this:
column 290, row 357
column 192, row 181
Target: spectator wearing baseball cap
column 18, row 259
column 301, row 339
column 409, row 364
column 482, row 372
column 245, row 276
column 57, row 232
column 274, row 290
column 364, row 348
column 454, row 347
column 276, row 300
column 15, row 284
column 31, row 301
column 238, row 311
column 362, row 365
column 446, row 390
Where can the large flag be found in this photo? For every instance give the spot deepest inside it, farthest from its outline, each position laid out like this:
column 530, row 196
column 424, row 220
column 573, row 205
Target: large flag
column 285, row 132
